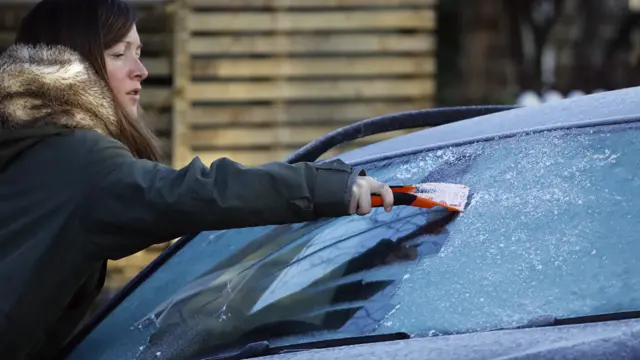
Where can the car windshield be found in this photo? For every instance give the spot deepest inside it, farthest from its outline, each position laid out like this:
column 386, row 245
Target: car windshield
column 548, row 230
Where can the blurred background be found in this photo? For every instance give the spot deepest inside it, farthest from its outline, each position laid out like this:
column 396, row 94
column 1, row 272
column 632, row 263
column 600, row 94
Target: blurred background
column 255, row 79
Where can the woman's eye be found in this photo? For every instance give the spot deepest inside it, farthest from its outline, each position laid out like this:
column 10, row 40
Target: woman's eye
column 118, row 55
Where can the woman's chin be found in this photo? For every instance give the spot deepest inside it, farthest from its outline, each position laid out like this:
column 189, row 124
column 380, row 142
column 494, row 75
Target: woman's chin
column 131, row 111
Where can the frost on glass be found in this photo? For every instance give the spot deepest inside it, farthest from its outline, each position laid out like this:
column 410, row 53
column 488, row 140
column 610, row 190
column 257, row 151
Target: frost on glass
column 549, row 229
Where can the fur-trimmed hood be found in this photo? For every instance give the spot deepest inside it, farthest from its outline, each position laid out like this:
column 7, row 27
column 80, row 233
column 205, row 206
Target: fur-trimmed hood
column 45, row 86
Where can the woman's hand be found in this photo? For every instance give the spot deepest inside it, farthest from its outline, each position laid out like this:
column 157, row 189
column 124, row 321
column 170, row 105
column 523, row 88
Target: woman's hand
column 361, row 195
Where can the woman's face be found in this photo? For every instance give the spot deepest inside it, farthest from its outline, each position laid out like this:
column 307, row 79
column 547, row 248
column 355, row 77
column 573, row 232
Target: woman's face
column 126, row 72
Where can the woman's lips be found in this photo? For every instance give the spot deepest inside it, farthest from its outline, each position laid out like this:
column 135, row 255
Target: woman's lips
column 134, row 95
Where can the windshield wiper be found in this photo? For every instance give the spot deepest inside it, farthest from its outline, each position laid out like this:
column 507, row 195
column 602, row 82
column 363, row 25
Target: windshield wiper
column 263, row 348
column 551, row 320
column 548, row 320
column 613, row 316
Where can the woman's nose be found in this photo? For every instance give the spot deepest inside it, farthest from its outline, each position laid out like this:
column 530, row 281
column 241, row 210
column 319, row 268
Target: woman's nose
column 139, row 71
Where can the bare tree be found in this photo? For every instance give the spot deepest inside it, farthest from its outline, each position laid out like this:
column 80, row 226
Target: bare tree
column 530, row 22
column 600, row 34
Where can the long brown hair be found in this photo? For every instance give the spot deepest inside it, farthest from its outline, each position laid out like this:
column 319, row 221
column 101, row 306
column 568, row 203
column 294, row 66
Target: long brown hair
column 90, row 27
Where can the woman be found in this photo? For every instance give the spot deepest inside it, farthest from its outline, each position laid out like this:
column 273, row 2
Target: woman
column 80, row 182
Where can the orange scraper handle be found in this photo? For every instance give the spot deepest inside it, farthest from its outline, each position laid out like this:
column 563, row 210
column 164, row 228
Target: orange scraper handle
column 407, row 199
column 406, row 195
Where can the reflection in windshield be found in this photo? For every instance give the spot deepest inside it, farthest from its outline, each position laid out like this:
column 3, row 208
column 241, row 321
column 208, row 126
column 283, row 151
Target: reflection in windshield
column 300, row 281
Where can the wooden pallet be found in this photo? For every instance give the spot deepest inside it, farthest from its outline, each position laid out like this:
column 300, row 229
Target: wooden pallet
column 256, row 79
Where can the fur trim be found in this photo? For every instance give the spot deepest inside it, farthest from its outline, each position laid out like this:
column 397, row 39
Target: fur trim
column 52, row 86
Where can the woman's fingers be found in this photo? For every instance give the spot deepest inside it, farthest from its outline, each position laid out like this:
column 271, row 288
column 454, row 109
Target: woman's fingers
column 364, row 197
column 353, row 205
column 387, row 197
column 361, row 195
column 385, row 192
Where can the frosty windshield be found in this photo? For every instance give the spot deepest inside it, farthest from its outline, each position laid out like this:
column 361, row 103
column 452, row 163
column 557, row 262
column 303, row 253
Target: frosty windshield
column 549, row 230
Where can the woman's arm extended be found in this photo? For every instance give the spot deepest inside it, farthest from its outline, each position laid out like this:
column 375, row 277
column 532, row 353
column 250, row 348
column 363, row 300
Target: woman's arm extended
column 137, row 203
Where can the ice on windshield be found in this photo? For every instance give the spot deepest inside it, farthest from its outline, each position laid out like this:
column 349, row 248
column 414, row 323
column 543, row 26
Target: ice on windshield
column 549, row 230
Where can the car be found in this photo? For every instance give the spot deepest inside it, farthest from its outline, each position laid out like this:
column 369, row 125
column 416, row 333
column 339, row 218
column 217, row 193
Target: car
column 542, row 263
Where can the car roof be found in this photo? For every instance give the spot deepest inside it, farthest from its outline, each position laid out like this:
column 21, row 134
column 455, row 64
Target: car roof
column 601, row 340
column 610, row 105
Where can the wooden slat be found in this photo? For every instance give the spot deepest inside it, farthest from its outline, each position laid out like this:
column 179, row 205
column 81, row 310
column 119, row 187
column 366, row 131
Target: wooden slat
column 341, row 79
column 310, row 90
column 288, row 67
column 246, row 137
column 331, row 153
column 132, row 2
column 246, row 157
column 154, row 97
column 301, row 4
column 312, row 21
column 164, row 144
column 157, row 66
column 299, row 113
column 257, row 157
column 286, row 136
column 348, row 146
column 156, row 43
column 311, row 44
column 253, row 157
column 159, row 122
column 180, row 149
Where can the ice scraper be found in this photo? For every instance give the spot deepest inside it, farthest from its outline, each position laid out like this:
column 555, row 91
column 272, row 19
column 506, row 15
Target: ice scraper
column 452, row 197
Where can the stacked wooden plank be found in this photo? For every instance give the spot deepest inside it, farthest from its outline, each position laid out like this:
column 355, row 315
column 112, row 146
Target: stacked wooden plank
column 256, row 79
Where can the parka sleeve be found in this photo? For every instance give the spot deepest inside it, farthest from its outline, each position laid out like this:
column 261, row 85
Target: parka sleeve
column 136, row 203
